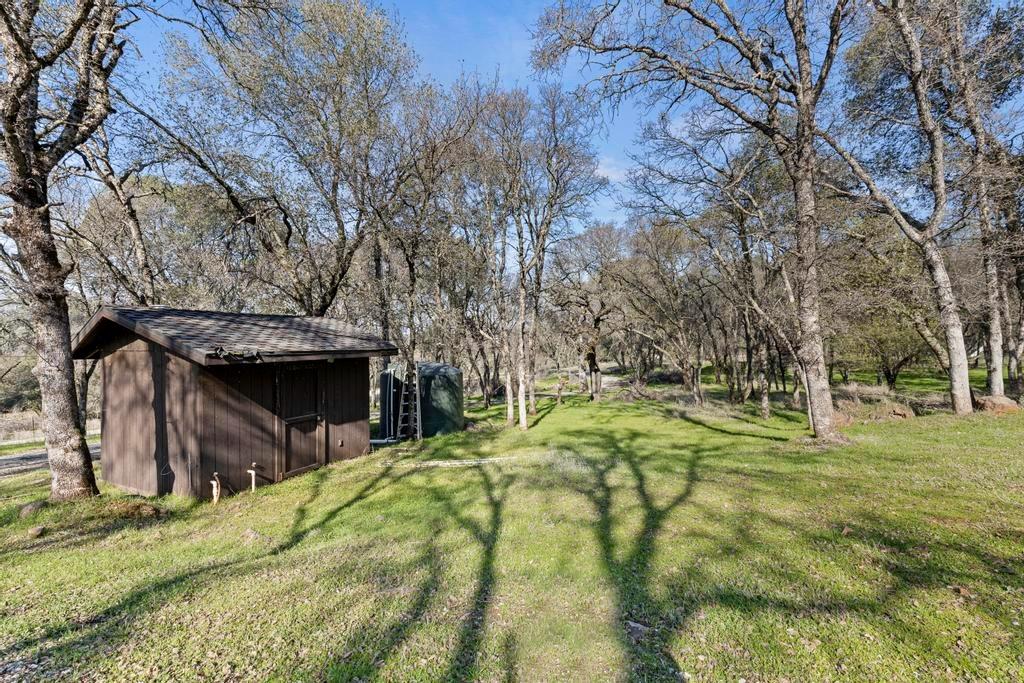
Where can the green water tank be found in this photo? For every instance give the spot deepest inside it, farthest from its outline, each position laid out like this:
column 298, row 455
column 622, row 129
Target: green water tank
column 441, row 404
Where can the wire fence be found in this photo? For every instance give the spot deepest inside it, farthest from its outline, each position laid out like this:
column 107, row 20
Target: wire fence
column 27, row 426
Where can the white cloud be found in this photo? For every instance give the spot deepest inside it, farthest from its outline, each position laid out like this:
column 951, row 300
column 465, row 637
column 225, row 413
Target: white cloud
column 611, row 169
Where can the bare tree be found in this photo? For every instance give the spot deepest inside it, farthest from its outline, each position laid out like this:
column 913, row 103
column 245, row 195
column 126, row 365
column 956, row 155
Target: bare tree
column 552, row 178
column 584, row 290
column 731, row 194
column 288, row 122
column 58, row 61
column 763, row 78
column 123, row 183
column 904, row 37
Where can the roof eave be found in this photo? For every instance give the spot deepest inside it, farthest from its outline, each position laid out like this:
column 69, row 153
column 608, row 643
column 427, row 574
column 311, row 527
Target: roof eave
column 83, row 340
column 84, row 336
column 212, row 360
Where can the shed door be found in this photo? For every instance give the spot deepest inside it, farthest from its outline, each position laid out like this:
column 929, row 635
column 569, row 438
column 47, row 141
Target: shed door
column 299, row 395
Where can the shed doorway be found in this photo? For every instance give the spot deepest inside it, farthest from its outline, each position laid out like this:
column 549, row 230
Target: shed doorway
column 300, row 398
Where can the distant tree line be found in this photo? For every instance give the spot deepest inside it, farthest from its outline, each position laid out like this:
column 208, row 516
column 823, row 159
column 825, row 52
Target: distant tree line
column 819, row 185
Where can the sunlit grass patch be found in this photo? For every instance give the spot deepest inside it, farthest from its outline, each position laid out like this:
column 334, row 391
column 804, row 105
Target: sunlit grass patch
column 613, row 540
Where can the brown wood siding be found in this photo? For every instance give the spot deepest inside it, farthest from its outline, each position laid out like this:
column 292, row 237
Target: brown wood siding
column 348, row 408
column 182, row 427
column 133, row 454
column 169, row 424
column 238, row 426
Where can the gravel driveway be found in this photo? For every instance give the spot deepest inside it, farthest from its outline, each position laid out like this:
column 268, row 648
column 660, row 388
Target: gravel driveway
column 26, row 462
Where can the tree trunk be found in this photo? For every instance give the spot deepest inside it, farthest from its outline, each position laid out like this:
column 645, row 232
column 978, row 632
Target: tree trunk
column 1016, row 353
column 70, row 463
column 522, row 361
column 811, row 348
column 994, row 357
column 521, row 377
column 795, row 401
column 510, row 408
column 531, row 366
column 952, row 329
column 748, row 347
column 782, row 367
column 698, row 389
column 1009, row 335
column 994, row 367
column 481, row 375
column 762, row 378
column 410, row 304
column 593, row 374
column 531, row 384
column 382, row 296
column 938, row 350
column 83, row 374
column 140, row 251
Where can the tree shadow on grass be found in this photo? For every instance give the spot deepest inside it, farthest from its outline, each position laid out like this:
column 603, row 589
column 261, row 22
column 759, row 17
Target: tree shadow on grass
column 78, row 641
column 642, row 624
column 624, row 478
column 544, row 409
column 704, row 424
column 463, row 662
column 651, row 611
column 911, row 568
column 300, row 530
column 510, row 657
column 749, row 414
column 75, row 642
column 372, row 644
column 106, row 517
column 368, row 651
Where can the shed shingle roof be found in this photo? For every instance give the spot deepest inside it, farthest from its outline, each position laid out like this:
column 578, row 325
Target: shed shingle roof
column 218, row 337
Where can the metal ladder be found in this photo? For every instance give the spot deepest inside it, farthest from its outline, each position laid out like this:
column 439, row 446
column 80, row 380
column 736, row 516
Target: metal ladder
column 409, row 423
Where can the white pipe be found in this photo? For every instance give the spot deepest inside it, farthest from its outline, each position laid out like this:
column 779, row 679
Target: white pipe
column 252, row 476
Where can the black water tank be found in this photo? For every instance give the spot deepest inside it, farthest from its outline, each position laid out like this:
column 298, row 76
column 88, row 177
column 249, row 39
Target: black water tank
column 441, row 400
column 441, row 404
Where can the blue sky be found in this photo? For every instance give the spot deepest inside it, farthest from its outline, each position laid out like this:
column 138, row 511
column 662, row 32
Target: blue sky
column 493, row 38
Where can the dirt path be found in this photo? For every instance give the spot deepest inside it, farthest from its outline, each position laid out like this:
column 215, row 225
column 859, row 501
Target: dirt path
column 26, row 462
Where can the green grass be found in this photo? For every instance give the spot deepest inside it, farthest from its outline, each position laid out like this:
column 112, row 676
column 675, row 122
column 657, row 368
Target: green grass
column 920, row 380
column 33, row 446
column 739, row 548
column 916, row 380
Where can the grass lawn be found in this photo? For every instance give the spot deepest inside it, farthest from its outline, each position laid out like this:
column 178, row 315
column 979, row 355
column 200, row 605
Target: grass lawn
column 612, row 541
column 920, row 379
column 915, row 380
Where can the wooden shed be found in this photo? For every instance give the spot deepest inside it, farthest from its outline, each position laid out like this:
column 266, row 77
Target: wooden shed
column 190, row 393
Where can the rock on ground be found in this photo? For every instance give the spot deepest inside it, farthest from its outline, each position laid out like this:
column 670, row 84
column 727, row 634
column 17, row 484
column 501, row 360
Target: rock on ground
column 636, row 630
column 31, row 508
column 999, row 405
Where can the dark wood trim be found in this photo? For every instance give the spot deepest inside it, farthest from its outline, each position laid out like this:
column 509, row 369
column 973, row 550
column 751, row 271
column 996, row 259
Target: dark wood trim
column 301, row 470
column 301, row 357
column 194, row 456
column 280, row 433
column 321, row 423
column 303, row 418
